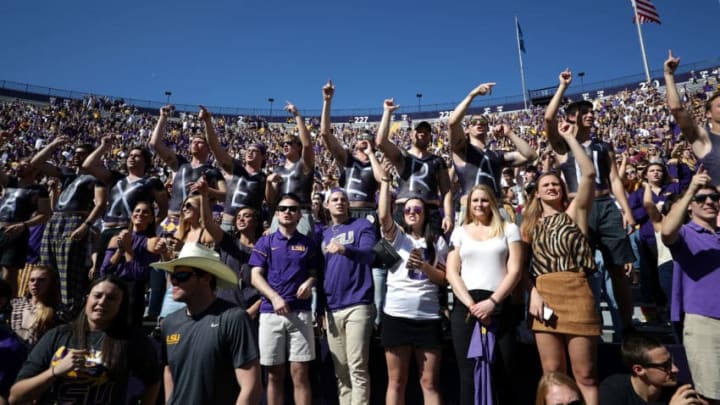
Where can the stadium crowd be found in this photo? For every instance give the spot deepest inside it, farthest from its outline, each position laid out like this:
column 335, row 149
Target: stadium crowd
column 245, row 240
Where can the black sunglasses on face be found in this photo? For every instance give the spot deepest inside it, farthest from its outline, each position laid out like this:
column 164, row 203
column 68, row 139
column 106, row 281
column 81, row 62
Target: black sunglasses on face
column 701, row 198
column 181, row 277
column 188, row 206
column 290, row 208
column 664, row 366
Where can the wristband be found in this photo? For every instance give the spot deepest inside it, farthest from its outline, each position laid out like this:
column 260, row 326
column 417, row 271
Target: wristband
column 495, row 303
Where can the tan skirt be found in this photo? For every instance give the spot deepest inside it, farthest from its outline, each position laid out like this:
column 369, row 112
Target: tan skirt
column 569, row 295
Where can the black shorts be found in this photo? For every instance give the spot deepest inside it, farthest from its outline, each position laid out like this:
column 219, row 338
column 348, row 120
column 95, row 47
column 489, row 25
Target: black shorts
column 607, row 233
column 423, row 334
column 13, row 251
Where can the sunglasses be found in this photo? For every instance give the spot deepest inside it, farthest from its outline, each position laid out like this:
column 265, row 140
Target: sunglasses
column 289, row 208
column 701, row 198
column 414, row 210
column 476, row 122
column 665, row 365
column 630, row 172
column 188, row 206
column 181, row 277
column 288, row 143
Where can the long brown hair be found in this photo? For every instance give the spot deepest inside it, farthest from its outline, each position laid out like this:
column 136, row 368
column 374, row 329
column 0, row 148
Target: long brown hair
column 185, row 225
column 533, row 212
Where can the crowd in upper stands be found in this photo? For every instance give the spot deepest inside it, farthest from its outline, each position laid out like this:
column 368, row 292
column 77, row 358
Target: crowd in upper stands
column 488, row 178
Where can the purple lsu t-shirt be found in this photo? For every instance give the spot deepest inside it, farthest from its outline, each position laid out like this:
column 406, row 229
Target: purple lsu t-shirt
column 348, row 277
column 287, row 262
column 696, row 272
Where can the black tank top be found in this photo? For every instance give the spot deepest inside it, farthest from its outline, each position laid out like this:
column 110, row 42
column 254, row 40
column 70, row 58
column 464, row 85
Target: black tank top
column 77, row 195
column 419, row 177
column 17, row 203
column 123, row 195
column 244, row 190
column 184, row 176
column 358, row 180
column 599, row 153
column 296, row 182
column 481, row 167
column 711, row 161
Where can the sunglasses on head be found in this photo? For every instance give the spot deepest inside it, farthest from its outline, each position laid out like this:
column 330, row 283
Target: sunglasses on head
column 665, row 365
column 701, row 198
column 414, row 210
column 181, row 277
column 289, row 208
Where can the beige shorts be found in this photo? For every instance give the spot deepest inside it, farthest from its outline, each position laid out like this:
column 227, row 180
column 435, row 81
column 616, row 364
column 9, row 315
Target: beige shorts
column 286, row 338
column 701, row 338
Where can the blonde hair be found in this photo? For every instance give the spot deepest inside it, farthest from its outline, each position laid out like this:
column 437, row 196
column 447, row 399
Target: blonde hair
column 46, row 304
column 533, row 212
column 185, row 225
column 497, row 223
column 555, row 378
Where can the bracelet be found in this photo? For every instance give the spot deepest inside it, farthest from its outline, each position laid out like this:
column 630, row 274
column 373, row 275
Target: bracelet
column 52, row 371
column 493, row 300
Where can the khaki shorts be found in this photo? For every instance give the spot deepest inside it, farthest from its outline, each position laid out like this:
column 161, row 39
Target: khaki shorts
column 286, row 338
column 701, row 338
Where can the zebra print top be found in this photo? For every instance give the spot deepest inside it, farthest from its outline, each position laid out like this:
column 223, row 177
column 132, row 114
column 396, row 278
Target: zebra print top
column 559, row 245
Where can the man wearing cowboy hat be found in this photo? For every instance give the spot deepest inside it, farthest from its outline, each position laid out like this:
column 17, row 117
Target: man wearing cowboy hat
column 209, row 351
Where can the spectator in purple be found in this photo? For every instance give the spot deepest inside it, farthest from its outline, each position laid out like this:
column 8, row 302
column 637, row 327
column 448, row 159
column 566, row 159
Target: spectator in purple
column 348, row 287
column 695, row 248
column 285, row 266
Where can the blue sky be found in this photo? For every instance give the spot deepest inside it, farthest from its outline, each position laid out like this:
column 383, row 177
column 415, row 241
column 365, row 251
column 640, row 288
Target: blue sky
column 239, row 53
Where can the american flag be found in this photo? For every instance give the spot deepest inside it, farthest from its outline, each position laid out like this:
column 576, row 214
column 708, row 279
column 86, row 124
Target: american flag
column 646, row 12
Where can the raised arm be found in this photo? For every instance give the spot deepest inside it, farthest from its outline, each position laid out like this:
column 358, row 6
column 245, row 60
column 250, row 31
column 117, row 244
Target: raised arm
column 382, row 141
column 676, row 217
column 156, row 140
column 331, row 143
column 618, row 190
column 524, row 152
column 684, row 119
column 221, row 155
column 387, row 224
column 445, row 186
column 378, row 172
column 40, row 160
column 579, row 209
column 551, row 126
column 457, row 133
column 308, row 153
column 652, row 210
column 93, row 163
column 206, row 215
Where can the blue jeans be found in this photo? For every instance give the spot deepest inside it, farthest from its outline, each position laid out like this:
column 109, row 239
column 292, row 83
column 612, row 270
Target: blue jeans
column 601, row 285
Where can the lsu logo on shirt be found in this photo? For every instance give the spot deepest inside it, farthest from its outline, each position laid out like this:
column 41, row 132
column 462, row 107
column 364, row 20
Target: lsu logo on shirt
column 297, row 248
column 172, row 339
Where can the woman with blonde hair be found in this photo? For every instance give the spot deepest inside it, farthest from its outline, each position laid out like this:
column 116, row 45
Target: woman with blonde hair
column 558, row 388
column 483, row 267
column 36, row 312
column 562, row 306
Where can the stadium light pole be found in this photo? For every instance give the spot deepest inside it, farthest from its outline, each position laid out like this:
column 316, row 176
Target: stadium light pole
column 271, row 101
column 582, row 81
column 168, row 94
column 419, row 97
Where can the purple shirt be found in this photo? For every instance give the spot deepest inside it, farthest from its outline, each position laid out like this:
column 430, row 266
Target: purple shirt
column 696, row 272
column 348, row 277
column 287, row 262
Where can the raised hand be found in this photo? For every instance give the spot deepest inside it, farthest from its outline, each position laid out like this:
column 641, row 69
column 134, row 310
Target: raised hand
column 671, row 63
column 501, row 130
column 204, row 114
column 567, row 129
column 166, row 110
column 483, row 89
column 290, row 107
column 389, row 105
column 328, row 90
column 565, row 77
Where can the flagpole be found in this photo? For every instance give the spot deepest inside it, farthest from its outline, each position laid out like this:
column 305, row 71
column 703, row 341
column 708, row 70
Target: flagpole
column 642, row 43
column 522, row 69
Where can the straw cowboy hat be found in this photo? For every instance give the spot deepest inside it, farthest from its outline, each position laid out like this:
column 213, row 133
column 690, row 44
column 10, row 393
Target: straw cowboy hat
column 200, row 257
